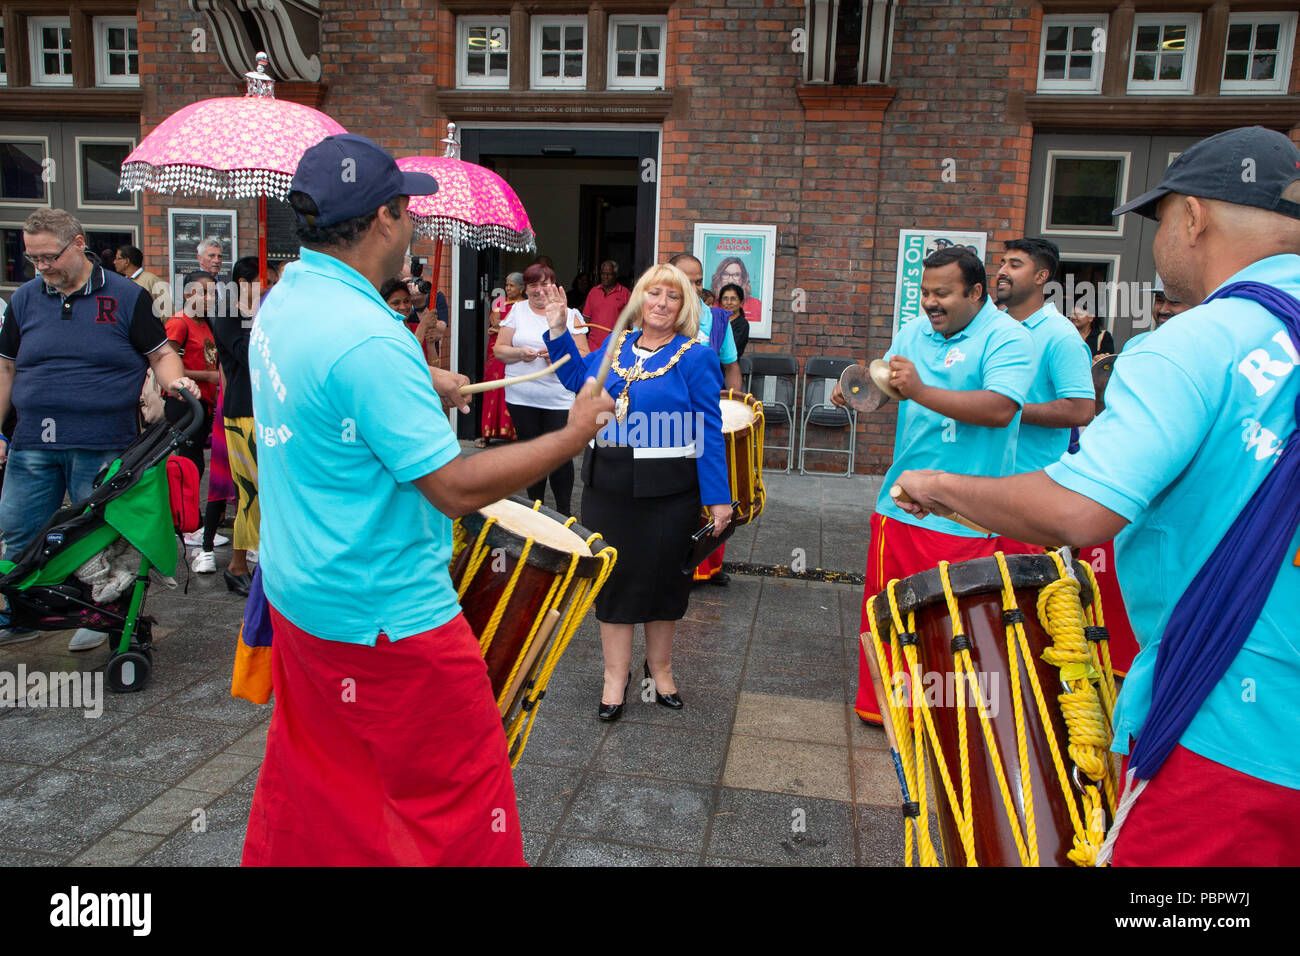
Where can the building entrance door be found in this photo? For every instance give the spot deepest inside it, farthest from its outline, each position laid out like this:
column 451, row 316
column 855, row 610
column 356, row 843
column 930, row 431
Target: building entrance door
column 1106, row 263
column 590, row 195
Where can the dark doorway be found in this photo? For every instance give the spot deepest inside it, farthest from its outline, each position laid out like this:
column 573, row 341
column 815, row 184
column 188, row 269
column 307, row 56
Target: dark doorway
column 590, row 194
column 607, row 229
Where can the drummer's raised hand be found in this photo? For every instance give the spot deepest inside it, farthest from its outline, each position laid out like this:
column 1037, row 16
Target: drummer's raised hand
column 447, row 385
column 589, row 414
column 556, row 306
column 721, row 515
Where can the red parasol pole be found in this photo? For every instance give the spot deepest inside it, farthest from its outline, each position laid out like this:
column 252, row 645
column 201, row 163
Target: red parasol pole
column 261, row 243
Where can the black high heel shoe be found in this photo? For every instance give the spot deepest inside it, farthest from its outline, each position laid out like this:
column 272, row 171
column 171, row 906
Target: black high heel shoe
column 673, row 701
column 614, row 711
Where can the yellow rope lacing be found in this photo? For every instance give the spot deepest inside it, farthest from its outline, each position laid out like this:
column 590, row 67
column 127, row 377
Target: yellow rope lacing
column 1085, row 671
column 568, row 594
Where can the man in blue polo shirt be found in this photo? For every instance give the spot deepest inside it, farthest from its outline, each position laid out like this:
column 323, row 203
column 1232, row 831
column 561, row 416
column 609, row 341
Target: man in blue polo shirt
column 385, row 743
column 964, row 372
column 1193, row 465
column 74, row 347
column 1062, row 395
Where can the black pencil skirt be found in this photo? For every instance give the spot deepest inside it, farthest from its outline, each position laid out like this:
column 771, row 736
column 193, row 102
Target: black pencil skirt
column 652, row 535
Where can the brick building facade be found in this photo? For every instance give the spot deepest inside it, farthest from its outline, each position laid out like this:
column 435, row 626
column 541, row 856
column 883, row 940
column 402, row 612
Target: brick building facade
column 750, row 123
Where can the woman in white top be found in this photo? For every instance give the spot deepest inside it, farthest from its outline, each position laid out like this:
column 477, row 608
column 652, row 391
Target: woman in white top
column 541, row 405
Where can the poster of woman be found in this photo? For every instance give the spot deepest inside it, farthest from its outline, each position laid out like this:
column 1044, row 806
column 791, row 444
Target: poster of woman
column 741, row 256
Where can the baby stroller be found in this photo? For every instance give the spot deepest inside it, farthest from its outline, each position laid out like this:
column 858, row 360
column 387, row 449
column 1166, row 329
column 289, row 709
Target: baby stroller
column 90, row 565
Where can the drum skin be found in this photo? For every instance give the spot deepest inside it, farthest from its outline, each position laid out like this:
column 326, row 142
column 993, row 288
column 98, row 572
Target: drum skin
column 544, row 565
column 978, row 585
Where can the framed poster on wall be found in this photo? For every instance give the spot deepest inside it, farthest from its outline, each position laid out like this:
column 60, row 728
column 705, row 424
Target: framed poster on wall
column 913, row 246
column 185, row 227
column 744, row 256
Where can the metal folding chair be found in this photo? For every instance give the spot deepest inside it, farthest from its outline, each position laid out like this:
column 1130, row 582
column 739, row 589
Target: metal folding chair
column 774, row 380
column 819, row 377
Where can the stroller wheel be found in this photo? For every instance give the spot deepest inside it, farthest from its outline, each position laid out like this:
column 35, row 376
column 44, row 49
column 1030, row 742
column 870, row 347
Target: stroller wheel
column 129, row 671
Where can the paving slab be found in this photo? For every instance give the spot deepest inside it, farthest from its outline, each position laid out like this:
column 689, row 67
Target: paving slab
column 766, row 765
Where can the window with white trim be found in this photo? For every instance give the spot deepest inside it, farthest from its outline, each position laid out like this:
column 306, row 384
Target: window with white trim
column 51, row 43
column 4, row 58
column 117, row 51
column 1163, row 55
column 636, row 52
column 559, row 52
column 23, row 165
column 1071, row 54
column 1080, row 190
column 1257, row 58
column 483, row 52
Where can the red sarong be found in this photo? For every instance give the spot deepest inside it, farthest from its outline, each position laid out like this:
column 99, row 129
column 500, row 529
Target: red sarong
column 899, row 550
column 710, row 566
column 1195, row 812
column 392, row 754
column 1123, row 644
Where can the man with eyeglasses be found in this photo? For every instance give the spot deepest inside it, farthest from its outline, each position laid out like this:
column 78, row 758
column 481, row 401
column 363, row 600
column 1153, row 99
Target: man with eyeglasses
column 74, row 347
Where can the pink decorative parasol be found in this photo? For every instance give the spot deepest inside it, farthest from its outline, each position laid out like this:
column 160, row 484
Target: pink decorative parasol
column 232, row 146
column 472, row 207
column 241, row 146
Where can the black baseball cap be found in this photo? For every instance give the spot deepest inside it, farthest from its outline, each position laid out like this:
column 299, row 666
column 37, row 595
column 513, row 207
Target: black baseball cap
column 347, row 176
column 1249, row 166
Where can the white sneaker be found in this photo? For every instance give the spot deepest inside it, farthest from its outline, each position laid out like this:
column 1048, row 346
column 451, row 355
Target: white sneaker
column 195, row 539
column 251, row 555
column 204, row 562
column 86, row 640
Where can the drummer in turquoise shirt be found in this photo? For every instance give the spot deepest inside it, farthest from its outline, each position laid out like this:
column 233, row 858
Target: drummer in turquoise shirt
column 967, row 378
column 1062, row 395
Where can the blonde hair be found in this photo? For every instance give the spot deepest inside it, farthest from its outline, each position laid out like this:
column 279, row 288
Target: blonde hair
column 688, row 319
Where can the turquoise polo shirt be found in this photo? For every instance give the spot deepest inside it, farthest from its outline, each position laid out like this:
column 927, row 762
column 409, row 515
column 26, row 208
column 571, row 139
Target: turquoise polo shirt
column 1064, row 370
column 1196, row 414
column 993, row 353
column 346, row 419
column 727, row 353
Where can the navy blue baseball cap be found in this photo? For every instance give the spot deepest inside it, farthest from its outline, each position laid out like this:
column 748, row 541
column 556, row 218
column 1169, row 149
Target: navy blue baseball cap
column 1249, row 166
column 347, row 176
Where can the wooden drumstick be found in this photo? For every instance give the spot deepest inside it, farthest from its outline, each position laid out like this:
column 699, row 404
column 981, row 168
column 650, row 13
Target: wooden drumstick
column 540, row 643
column 902, row 497
column 503, row 382
column 619, row 328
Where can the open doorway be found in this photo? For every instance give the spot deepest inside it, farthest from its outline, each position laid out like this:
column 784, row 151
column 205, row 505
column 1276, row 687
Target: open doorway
column 590, row 195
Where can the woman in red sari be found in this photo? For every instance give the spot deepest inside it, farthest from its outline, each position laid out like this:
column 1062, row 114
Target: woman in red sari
column 496, row 419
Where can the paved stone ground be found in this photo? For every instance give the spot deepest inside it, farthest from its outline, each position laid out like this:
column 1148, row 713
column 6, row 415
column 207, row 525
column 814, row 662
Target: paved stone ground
column 766, row 765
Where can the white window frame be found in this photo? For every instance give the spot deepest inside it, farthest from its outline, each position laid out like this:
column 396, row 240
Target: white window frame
column 1114, row 258
column 102, row 26
column 1184, row 86
column 463, row 79
column 1092, row 85
column 615, row 82
column 540, row 82
column 130, row 201
column 1049, row 177
column 1286, row 45
column 30, row 203
column 9, row 287
column 34, row 27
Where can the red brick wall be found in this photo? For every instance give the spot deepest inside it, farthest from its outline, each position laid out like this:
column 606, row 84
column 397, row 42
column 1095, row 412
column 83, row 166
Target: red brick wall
column 173, row 75
column 838, row 191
